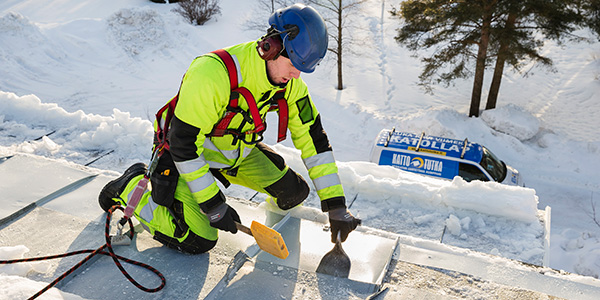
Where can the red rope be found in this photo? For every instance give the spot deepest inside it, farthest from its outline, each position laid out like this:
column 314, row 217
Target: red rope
column 101, row 250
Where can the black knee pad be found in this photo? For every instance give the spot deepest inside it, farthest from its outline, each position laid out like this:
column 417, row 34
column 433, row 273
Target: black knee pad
column 289, row 191
column 193, row 244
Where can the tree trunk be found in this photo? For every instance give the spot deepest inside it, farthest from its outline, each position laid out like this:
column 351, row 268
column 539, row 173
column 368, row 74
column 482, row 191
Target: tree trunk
column 339, row 48
column 500, row 62
column 480, row 66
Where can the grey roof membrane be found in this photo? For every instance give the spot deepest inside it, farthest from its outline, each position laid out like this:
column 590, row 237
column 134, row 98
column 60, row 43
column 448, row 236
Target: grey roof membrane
column 400, row 267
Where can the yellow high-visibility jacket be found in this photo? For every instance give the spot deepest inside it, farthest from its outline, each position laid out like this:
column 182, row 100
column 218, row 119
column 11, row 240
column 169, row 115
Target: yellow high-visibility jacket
column 203, row 100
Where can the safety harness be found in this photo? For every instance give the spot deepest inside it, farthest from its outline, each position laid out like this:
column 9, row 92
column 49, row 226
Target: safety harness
column 277, row 102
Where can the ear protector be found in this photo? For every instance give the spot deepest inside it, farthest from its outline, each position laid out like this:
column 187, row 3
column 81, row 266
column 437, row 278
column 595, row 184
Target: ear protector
column 271, row 45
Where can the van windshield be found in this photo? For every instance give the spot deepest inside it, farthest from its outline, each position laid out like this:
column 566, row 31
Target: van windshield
column 495, row 167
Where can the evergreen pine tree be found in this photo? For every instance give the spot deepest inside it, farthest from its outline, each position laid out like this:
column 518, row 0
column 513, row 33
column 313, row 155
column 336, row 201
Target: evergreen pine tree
column 465, row 36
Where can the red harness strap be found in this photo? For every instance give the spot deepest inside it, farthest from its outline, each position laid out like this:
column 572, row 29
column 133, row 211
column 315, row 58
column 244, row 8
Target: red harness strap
column 283, row 113
column 283, row 119
column 163, row 129
column 232, row 109
column 221, row 128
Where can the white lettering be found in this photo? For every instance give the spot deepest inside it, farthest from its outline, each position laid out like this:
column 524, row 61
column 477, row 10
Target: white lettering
column 404, row 140
column 454, row 148
column 401, row 160
column 428, row 142
column 433, row 165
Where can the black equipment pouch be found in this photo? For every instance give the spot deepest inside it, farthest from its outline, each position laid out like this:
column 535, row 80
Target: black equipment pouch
column 164, row 181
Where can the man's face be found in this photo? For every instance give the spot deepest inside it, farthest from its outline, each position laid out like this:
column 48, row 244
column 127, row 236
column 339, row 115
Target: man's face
column 281, row 70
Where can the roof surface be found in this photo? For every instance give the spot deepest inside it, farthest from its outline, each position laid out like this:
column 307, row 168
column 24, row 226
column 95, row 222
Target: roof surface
column 63, row 216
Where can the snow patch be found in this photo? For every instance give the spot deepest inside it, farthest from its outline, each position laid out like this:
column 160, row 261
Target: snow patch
column 138, row 30
column 453, row 225
column 18, row 29
column 20, row 269
column 512, row 120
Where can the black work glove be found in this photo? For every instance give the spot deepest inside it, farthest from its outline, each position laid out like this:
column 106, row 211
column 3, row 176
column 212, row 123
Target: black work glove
column 223, row 217
column 342, row 221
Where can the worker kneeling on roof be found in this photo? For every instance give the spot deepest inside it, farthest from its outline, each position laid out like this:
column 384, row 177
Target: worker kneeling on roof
column 213, row 130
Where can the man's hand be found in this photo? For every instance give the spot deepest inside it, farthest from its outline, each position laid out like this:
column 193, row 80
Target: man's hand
column 342, row 221
column 223, row 217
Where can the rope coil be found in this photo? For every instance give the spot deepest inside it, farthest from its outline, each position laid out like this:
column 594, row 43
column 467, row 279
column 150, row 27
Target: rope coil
column 105, row 249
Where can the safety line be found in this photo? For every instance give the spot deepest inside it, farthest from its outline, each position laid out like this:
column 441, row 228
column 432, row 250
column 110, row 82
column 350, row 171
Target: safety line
column 105, row 249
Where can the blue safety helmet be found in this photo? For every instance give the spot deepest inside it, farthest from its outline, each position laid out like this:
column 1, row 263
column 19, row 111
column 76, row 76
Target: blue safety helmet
column 305, row 45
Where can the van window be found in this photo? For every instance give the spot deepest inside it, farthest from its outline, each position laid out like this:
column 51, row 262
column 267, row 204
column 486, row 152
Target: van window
column 470, row 172
column 495, row 167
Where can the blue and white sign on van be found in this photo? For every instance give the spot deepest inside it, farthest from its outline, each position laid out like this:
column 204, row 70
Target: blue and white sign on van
column 441, row 157
column 419, row 164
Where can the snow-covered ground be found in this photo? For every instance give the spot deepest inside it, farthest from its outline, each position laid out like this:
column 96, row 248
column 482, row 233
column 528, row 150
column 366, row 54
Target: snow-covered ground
column 90, row 76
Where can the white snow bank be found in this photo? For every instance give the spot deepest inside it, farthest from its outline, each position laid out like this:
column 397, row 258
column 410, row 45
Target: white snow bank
column 70, row 133
column 377, row 183
column 492, row 198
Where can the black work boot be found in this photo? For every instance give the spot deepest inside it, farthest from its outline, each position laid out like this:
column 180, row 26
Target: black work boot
column 114, row 188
